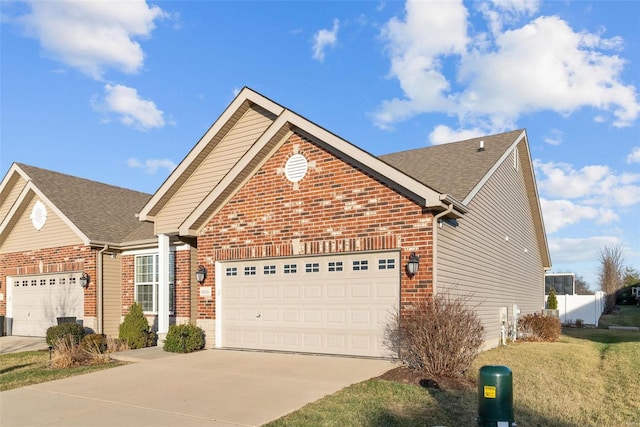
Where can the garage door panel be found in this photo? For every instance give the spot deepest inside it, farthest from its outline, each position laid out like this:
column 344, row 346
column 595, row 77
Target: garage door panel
column 37, row 302
column 302, row 306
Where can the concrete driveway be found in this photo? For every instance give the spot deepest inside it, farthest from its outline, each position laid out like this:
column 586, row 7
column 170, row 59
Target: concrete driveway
column 14, row 344
column 206, row 388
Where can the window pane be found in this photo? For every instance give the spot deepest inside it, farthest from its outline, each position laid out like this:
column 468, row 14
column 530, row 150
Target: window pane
column 144, row 296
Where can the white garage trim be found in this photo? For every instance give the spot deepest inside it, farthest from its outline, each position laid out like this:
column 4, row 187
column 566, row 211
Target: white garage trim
column 333, row 304
column 35, row 302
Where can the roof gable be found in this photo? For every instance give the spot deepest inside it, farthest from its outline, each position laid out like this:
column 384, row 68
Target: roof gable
column 98, row 212
column 456, row 168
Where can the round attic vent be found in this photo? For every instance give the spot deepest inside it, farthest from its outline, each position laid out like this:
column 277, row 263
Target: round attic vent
column 38, row 215
column 296, row 168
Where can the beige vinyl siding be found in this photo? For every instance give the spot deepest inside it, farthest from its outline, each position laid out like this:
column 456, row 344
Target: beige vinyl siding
column 111, row 294
column 230, row 149
column 23, row 236
column 12, row 191
column 493, row 253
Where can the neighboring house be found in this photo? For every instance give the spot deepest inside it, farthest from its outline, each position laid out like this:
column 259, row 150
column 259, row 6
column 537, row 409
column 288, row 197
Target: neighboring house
column 305, row 238
column 54, row 228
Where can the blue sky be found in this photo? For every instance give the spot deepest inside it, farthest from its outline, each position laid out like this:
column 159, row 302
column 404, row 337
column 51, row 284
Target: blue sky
column 120, row 91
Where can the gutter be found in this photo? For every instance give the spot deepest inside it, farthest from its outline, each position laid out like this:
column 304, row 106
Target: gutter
column 434, row 249
column 99, row 288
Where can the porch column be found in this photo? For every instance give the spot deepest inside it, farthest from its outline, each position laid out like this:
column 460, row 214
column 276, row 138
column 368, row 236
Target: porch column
column 163, row 286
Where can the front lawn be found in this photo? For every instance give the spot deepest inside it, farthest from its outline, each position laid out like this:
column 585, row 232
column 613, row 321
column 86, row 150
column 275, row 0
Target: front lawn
column 31, row 367
column 588, row 378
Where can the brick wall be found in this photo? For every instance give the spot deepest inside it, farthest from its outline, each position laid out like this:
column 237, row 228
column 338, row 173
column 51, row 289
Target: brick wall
column 52, row 260
column 334, row 208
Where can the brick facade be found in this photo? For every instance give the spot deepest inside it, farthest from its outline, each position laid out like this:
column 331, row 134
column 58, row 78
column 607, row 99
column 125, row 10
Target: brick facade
column 52, row 260
column 334, row 208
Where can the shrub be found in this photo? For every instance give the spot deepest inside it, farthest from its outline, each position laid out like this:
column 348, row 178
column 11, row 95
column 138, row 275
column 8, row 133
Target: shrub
column 67, row 353
column 534, row 327
column 552, row 301
column 70, row 331
column 579, row 323
column 134, row 330
column 95, row 343
column 440, row 338
column 184, row 339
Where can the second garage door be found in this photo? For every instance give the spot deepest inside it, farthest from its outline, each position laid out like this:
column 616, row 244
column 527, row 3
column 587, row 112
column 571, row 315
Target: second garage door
column 37, row 302
column 338, row 304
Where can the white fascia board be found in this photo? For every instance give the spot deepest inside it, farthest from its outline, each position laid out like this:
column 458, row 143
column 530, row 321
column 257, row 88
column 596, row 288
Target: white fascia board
column 245, row 94
column 12, row 170
column 430, row 198
column 491, row 171
column 186, row 228
column 31, row 188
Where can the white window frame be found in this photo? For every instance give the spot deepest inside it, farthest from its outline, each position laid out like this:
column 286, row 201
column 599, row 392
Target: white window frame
column 155, row 281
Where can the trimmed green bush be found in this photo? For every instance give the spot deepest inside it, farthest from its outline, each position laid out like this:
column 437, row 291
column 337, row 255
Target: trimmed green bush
column 135, row 330
column 95, row 342
column 540, row 328
column 552, row 301
column 184, row 339
column 70, row 331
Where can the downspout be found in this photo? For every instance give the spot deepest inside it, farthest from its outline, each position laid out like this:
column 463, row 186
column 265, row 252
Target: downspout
column 99, row 288
column 434, row 249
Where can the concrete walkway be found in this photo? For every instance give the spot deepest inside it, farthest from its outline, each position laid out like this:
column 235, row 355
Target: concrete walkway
column 206, row 388
column 13, row 344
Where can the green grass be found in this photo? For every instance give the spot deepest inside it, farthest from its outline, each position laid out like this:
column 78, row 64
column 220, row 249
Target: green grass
column 589, row 377
column 31, row 367
column 629, row 315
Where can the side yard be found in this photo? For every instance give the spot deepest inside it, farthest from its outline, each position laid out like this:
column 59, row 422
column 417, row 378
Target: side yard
column 588, row 378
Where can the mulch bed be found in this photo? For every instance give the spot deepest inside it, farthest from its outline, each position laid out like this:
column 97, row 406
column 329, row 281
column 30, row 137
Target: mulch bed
column 405, row 375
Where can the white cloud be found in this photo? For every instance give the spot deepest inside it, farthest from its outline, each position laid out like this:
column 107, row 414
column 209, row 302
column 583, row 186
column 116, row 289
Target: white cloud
column 151, row 166
column 594, row 185
column 500, row 76
column 570, row 250
column 442, row 134
column 324, row 39
column 132, row 110
column 559, row 214
column 634, row 156
column 93, row 35
column 554, row 137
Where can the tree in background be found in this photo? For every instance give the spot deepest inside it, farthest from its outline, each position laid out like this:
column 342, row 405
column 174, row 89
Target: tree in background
column 581, row 287
column 630, row 277
column 610, row 275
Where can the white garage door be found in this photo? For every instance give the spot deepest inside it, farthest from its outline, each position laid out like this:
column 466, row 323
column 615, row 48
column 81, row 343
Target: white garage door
column 338, row 304
column 37, row 302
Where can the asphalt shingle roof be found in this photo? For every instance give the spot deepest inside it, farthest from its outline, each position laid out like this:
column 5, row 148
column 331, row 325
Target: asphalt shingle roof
column 104, row 213
column 454, row 168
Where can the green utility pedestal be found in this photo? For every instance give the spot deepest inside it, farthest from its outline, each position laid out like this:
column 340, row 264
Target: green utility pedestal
column 495, row 397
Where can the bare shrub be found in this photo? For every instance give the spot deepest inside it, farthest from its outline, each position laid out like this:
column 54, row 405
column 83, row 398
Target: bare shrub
column 440, row 337
column 534, row 327
column 94, row 353
column 116, row 344
column 67, row 353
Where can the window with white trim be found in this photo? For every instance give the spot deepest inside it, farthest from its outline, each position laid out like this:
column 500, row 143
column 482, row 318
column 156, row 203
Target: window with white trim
column 335, row 266
column 290, row 268
column 386, row 264
column 147, row 279
column 360, row 265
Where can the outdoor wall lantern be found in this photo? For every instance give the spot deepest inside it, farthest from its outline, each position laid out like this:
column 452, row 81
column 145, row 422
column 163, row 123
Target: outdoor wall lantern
column 412, row 265
column 201, row 274
column 84, row 280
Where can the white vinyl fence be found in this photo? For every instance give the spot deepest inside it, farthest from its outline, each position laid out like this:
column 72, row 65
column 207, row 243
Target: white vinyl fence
column 587, row 308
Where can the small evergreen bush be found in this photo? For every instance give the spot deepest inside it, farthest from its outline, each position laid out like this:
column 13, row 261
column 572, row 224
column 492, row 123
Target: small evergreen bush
column 184, row 339
column 65, row 331
column 552, row 301
column 540, row 328
column 95, row 342
column 135, row 330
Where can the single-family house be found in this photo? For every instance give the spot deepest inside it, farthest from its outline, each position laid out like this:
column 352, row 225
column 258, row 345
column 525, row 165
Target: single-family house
column 275, row 234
